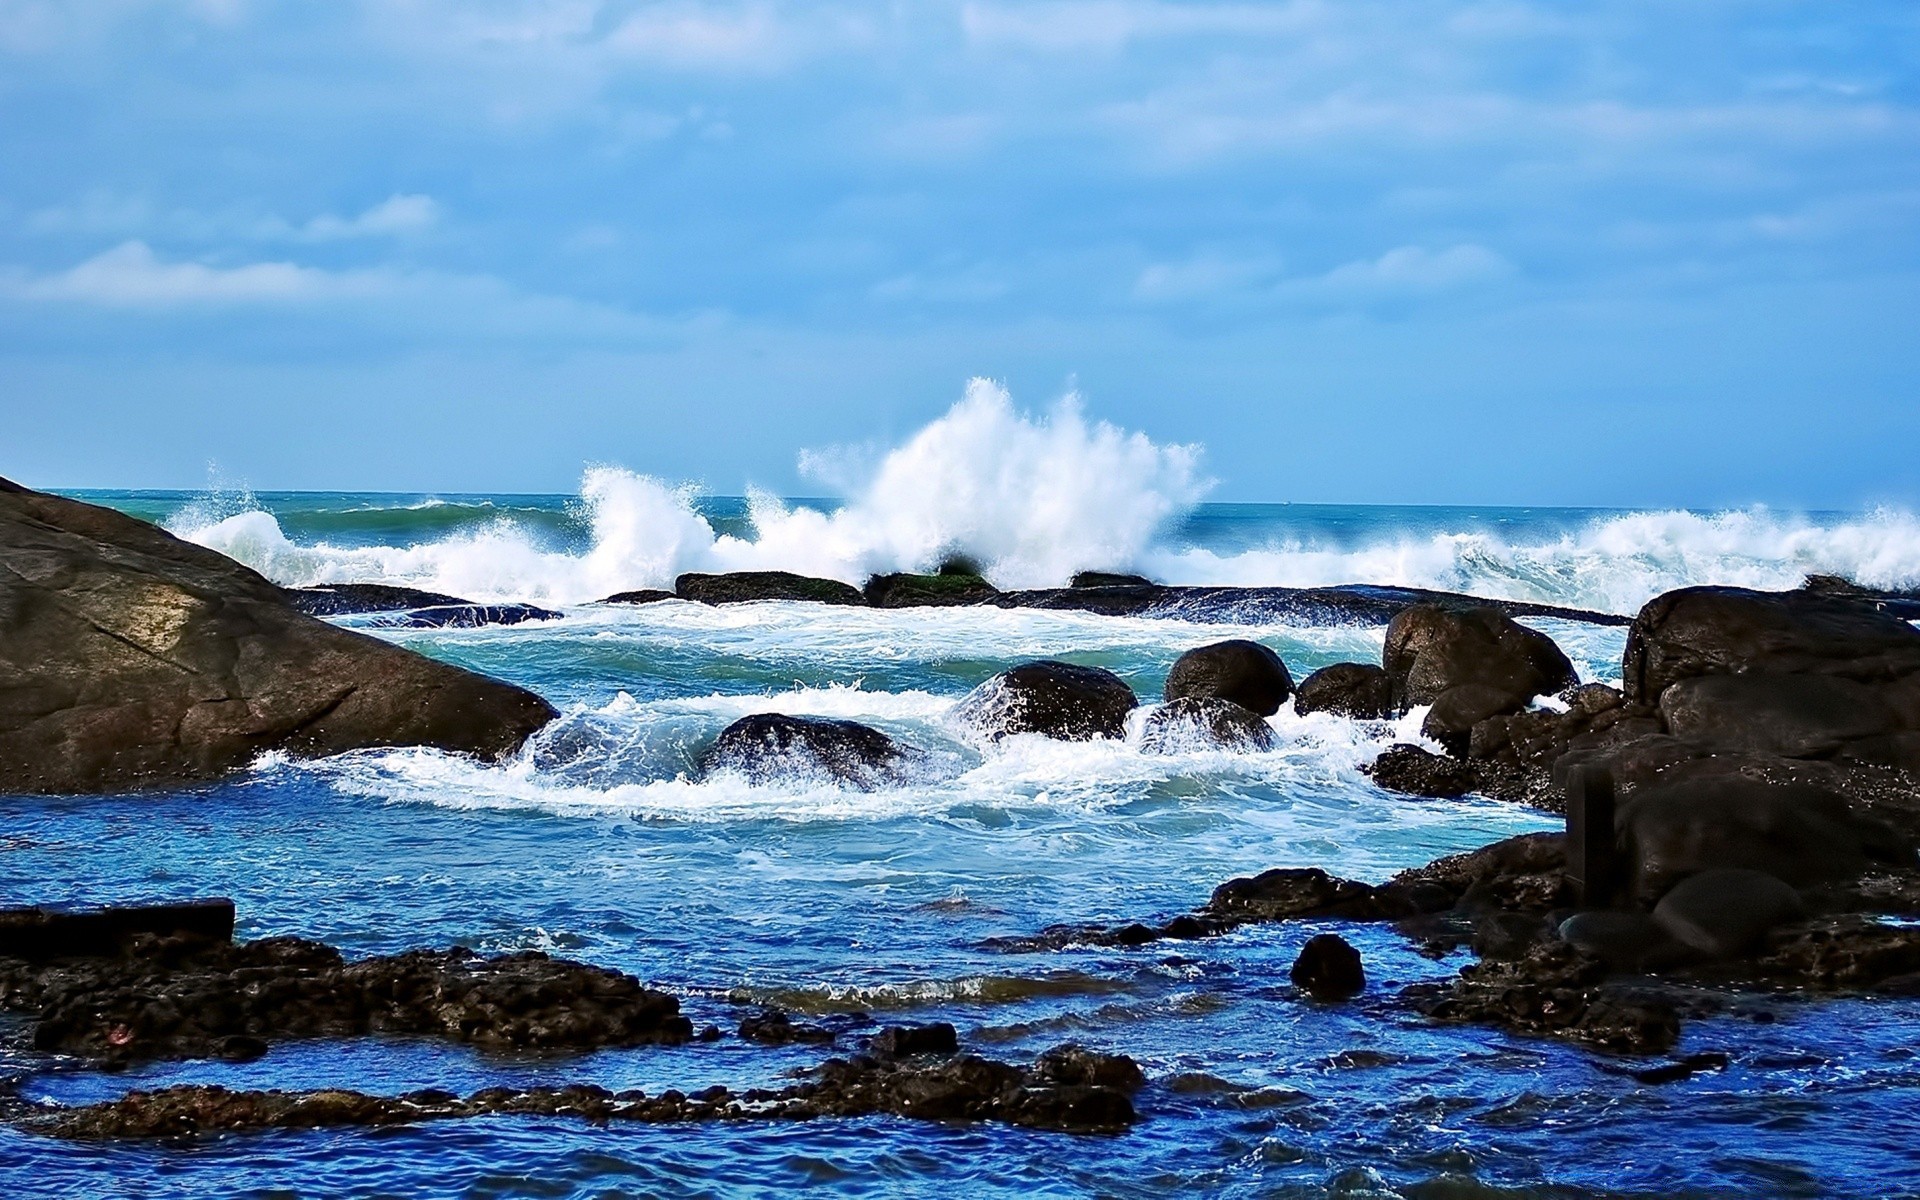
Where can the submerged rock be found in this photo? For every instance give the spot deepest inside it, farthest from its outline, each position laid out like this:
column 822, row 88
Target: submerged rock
column 765, row 746
column 1055, row 699
column 639, row 596
column 1069, row 1090
column 772, row 1027
column 1469, row 664
column 137, row 659
column 350, row 599
column 1413, row 771
column 465, row 616
column 1192, row 723
column 741, row 587
column 1241, row 672
column 1328, row 968
column 1361, row 691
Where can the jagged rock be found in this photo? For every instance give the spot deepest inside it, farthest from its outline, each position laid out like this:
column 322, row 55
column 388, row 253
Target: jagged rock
column 1557, row 991
column 1241, row 672
column 768, row 746
column 1191, row 723
column 1072, row 1065
column 902, row 1041
column 1328, row 968
column 1410, row 770
column 169, row 998
column 1056, row 699
column 1725, row 913
column 742, row 587
column 773, row 1027
column 1470, row 664
column 130, row 658
column 1105, row 579
column 1361, row 691
column 350, row 599
column 928, row 591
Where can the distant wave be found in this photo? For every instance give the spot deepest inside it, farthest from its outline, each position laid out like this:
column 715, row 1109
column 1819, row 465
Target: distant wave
column 1033, row 499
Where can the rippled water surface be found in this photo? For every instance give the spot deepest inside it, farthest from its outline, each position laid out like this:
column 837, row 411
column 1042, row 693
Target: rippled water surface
column 602, row 842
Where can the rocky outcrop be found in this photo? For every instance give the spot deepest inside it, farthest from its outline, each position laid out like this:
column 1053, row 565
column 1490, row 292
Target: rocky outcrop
column 639, row 596
column 130, row 658
column 766, row 747
column 944, row 590
column 1414, row 771
column 1069, row 1089
column 741, row 587
column 1103, row 579
column 1469, row 664
column 1240, row 672
column 1328, row 968
column 1189, row 723
column 351, row 599
column 1055, row 699
column 463, row 616
column 1360, row 691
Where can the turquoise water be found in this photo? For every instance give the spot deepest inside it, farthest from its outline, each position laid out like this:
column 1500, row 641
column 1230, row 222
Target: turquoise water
column 601, row 842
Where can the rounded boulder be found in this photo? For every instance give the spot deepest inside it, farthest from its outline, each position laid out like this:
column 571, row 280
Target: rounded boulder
column 1242, row 672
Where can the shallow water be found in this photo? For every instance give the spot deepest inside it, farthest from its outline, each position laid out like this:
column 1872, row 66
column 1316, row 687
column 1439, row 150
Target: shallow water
column 600, row 842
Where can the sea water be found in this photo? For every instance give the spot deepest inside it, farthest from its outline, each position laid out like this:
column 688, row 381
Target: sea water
column 603, row 841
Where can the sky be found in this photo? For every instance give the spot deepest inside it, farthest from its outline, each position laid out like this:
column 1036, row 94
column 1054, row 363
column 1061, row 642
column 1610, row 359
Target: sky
column 1405, row 251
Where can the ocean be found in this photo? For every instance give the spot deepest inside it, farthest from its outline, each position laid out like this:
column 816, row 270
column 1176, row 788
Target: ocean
column 601, row 841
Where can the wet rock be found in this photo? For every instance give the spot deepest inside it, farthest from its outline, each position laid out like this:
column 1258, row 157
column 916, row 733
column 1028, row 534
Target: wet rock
column 1798, row 716
column 1190, row 723
column 1412, row 771
column 1105, row 579
column 464, row 616
column 901, row 1041
column 1726, row 631
column 1470, row 664
column 768, row 746
column 639, row 596
column 171, row 998
column 1517, row 755
column 1328, row 968
column 1625, row 941
column 1725, row 913
column 961, row 1088
column 1674, row 1072
column 772, row 1027
column 43, row 933
column 1288, row 892
column 929, row 591
column 1838, row 952
column 1554, row 990
column 741, row 587
column 1361, row 691
column 1073, row 1065
column 1799, row 833
column 137, row 659
column 350, row 599
column 1055, row 699
column 1241, row 672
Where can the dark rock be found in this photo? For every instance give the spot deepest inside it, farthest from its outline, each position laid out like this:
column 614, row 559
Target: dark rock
column 1287, row 892
column 1350, row 605
column 43, row 933
column 901, row 1041
column 1193, row 723
column 640, row 596
column 1725, row 631
column 767, row 746
column 1361, row 691
column 1674, row 1072
column 1624, row 941
column 961, row 1088
column 1840, row 952
column 1072, row 1065
column 170, row 998
column 1798, row 716
column 928, row 591
column 132, row 658
column 1801, row 834
column 1059, row 700
column 1328, row 968
column 349, row 599
column 1105, row 579
column 773, row 1027
column 1239, row 671
column 1554, row 990
column 742, row 587
column 1725, row 913
column 1410, row 770
column 1470, row 664
column 464, row 616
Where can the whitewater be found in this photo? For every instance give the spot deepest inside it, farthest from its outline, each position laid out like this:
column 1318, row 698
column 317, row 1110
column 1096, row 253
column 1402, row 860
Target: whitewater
column 1031, row 499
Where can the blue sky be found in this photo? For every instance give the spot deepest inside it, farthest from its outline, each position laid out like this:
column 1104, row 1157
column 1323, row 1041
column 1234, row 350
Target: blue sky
column 1407, row 251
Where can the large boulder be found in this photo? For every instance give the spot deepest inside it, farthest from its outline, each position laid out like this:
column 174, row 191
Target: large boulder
column 1725, row 913
column 740, row 587
column 1191, row 723
column 1056, row 699
column 1239, row 671
column 1469, row 664
column 130, row 658
column 1414, row 771
column 765, row 747
column 947, row 589
column 1798, row 716
column 347, row 599
column 1731, row 631
column 1361, row 691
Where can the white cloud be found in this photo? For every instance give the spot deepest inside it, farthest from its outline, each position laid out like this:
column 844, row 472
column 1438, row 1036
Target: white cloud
column 1402, row 272
column 1074, row 26
column 131, row 276
column 395, row 216
column 1208, row 275
column 104, row 212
